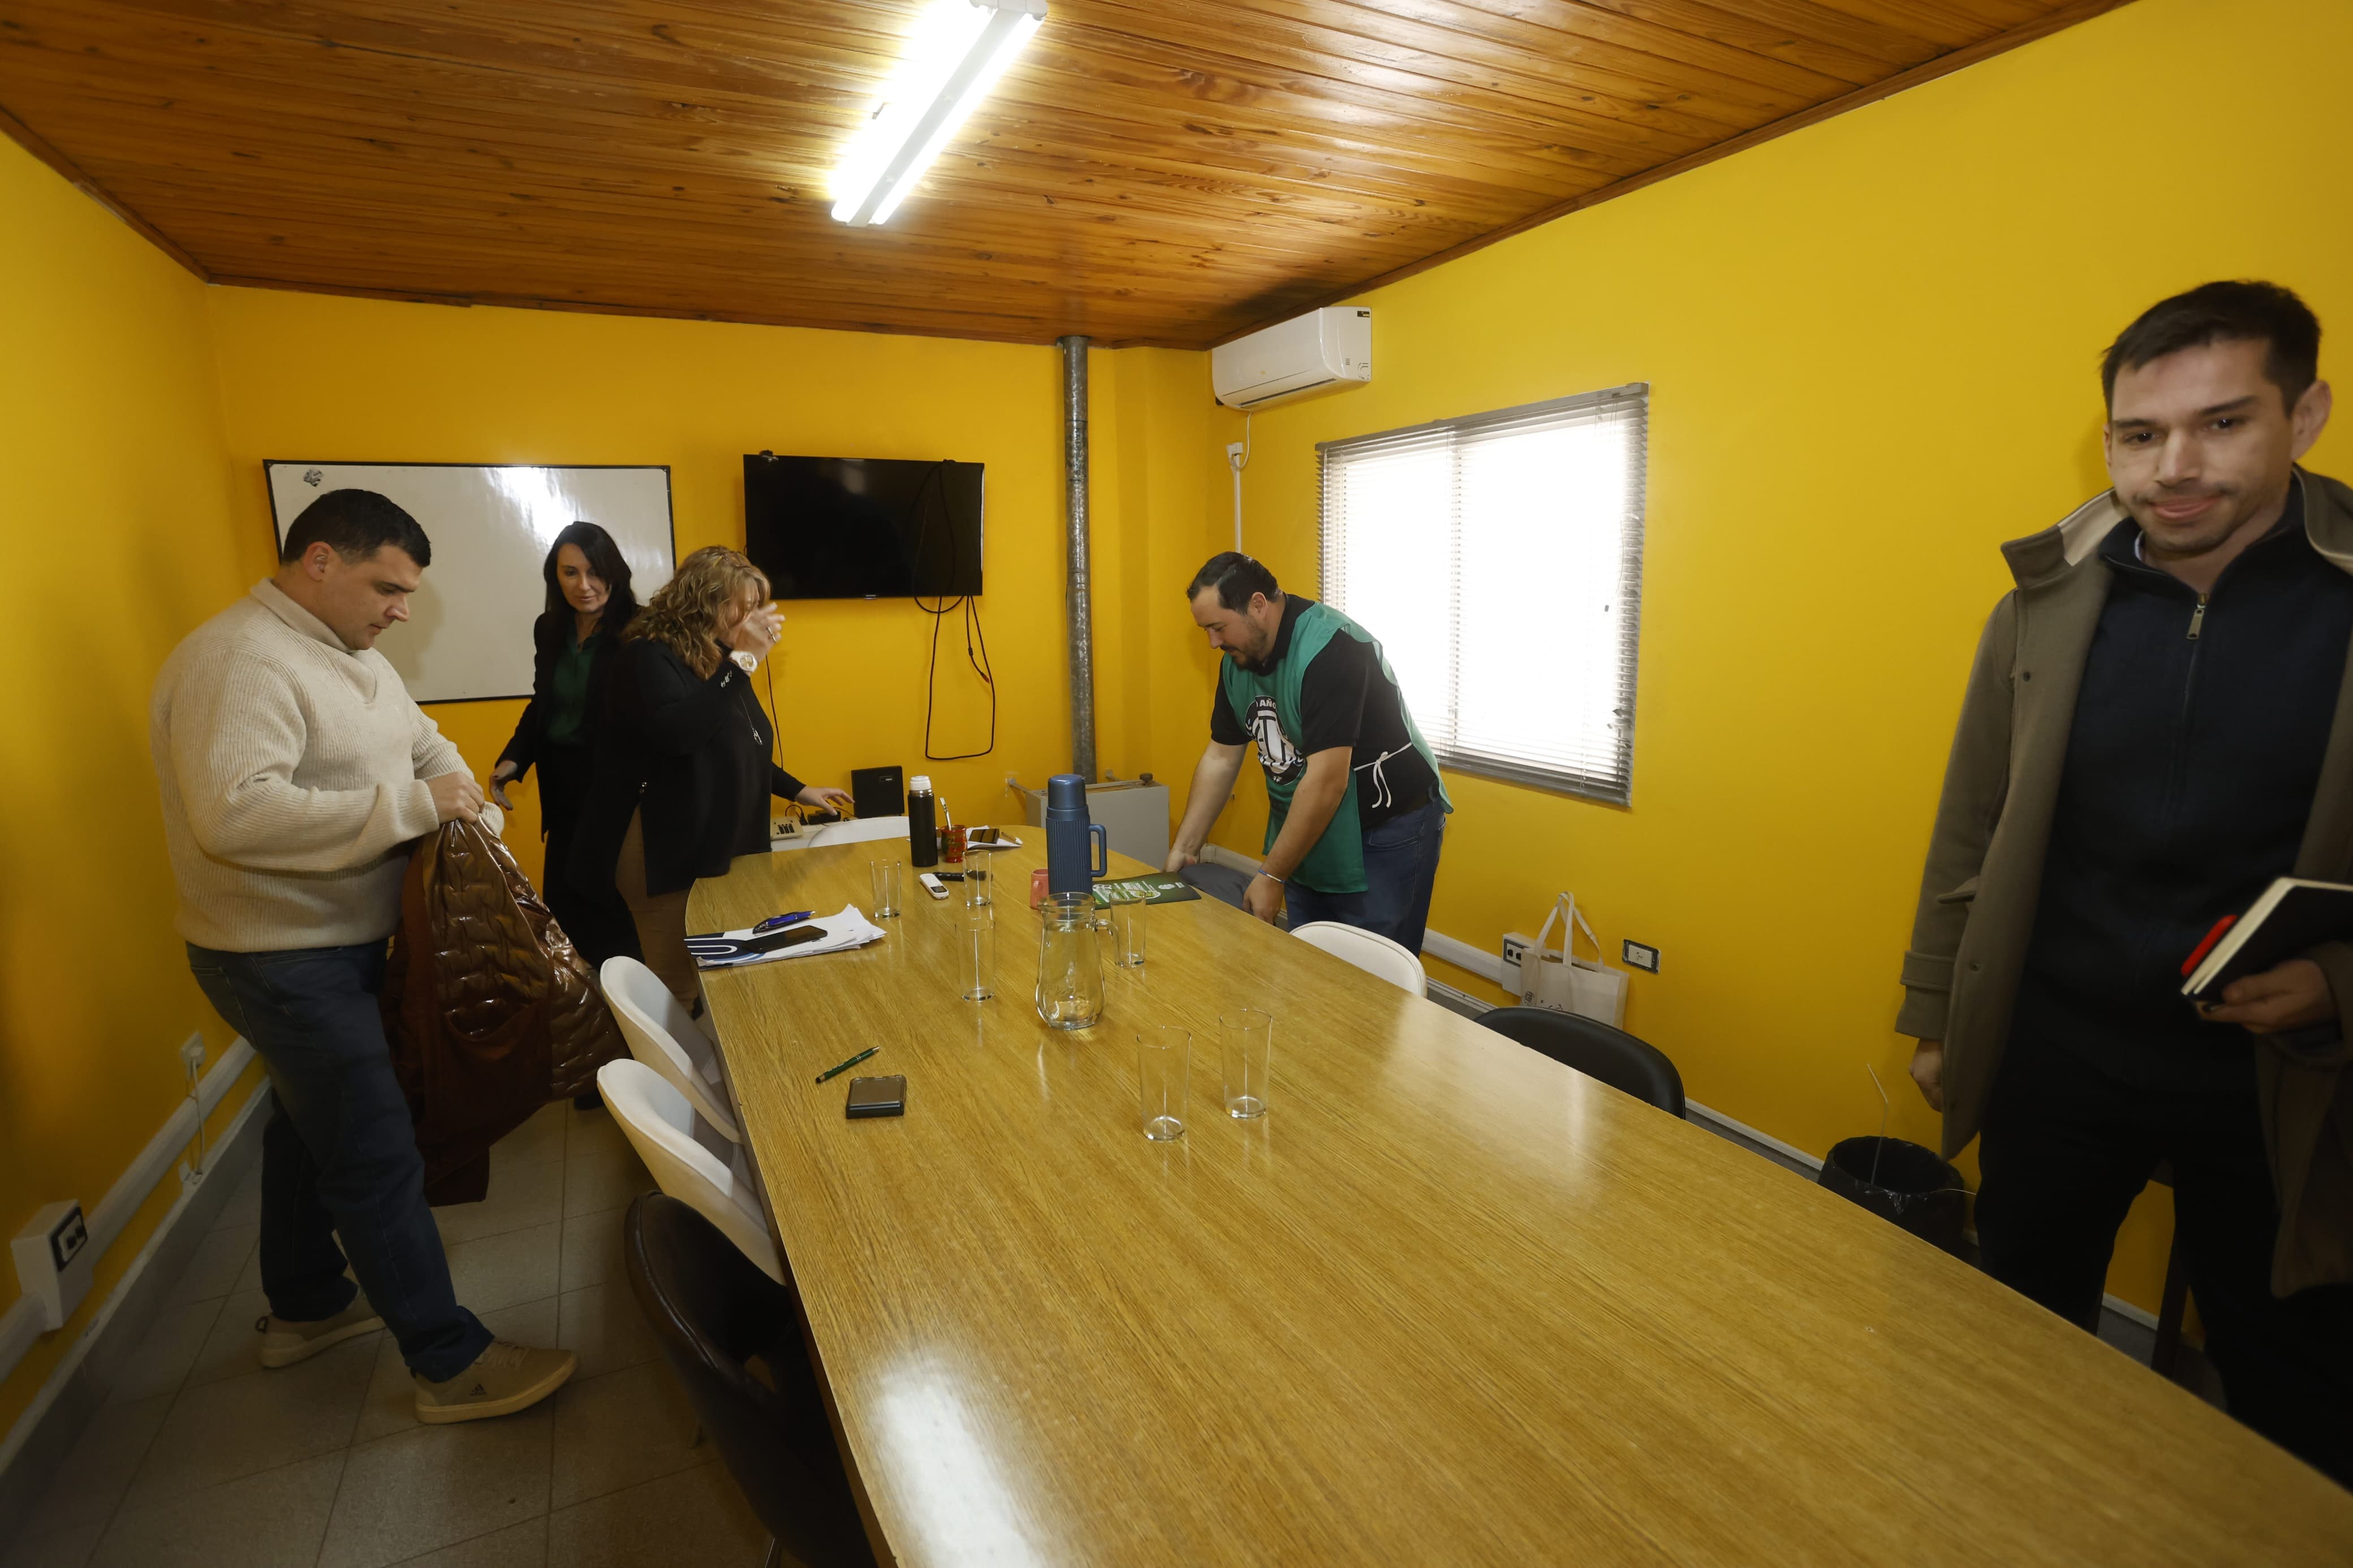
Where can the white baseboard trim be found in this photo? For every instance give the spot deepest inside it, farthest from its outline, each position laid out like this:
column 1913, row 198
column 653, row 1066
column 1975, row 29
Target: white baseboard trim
column 1233, row 859
column 1487, row 966
column 1454, row 999
column 20, row 1325
column 85, row 1376
column 1787, row 1151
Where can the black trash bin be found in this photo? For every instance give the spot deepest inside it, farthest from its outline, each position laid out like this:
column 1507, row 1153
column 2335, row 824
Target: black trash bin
column 1910, row 1185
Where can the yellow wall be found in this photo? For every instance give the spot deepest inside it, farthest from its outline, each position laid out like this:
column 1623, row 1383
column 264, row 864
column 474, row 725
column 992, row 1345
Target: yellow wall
column 115, row 492
column 159, row 401
column 312, row 375
column 1873, row 352
column 1871, row 345
column 228, row 377
column 1163, row 495
column 309, row 376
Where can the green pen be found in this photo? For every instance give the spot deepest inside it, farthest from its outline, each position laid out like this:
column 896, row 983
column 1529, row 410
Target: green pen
column 847, row 1065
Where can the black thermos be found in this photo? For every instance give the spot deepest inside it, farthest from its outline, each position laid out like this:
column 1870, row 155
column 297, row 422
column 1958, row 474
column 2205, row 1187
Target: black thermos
column 922, row 824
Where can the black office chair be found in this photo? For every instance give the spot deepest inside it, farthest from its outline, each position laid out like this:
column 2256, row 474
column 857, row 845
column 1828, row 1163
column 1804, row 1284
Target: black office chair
column 1595, row 1049
column 713, row 1311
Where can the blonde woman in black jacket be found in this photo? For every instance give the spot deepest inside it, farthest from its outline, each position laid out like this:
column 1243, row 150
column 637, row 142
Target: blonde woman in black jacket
column 684, row 767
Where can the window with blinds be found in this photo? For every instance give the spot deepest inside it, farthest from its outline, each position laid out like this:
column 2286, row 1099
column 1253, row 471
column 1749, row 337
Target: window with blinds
column 1498, row 559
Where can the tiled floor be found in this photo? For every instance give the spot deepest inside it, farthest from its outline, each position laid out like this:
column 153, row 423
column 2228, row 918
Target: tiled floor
column 202, row 1458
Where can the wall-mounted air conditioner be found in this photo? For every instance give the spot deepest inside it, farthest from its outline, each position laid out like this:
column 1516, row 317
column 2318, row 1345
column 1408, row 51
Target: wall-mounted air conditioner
column 1326, row 348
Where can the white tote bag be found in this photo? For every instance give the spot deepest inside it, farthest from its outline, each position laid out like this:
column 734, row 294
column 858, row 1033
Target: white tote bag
column 1556, row 978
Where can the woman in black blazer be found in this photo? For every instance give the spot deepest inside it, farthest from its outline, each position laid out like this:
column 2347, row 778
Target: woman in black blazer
column 573, row 643
column 684, row 766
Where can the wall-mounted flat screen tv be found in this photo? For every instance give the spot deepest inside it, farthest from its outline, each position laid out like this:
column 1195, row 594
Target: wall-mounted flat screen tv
column 863, row 528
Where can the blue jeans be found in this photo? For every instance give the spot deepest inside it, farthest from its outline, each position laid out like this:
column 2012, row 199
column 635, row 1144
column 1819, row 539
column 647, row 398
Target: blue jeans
column 1400, row 864
column 339, row 1157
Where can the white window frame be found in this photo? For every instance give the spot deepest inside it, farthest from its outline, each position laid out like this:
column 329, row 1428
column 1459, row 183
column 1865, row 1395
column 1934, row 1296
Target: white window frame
column 1628, row 405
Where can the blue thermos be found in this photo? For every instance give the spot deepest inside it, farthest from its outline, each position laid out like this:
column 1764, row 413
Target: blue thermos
column 1072, row 863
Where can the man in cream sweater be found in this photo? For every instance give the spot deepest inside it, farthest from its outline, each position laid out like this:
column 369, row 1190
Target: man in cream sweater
column 295, row 774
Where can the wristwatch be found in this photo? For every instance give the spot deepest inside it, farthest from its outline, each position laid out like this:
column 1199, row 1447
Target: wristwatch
column 746, row 662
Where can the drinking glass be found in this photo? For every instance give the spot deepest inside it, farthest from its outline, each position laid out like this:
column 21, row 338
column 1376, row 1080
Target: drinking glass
column 1248, row 1056
column 885, row 876
column 975, row 882
column 1127, row 933
column 976, row 953
column 1163, row 1058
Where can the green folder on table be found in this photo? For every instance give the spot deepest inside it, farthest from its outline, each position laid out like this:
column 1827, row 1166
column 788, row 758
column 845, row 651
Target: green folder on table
column 1154, row 887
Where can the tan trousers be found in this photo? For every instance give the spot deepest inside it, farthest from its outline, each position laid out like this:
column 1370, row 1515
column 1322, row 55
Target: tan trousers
column 660, row 921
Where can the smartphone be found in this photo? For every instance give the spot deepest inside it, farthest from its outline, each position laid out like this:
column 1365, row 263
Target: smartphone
column 791, row 936
column 877, row 1096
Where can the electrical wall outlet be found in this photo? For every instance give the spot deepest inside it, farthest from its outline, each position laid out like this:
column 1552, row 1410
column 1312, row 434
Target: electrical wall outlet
column 1514, row 944
column 53, row 1261
column 1641, row 955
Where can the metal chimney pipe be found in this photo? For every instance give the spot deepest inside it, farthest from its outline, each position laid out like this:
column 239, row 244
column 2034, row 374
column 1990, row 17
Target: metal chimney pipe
column 1074, row 473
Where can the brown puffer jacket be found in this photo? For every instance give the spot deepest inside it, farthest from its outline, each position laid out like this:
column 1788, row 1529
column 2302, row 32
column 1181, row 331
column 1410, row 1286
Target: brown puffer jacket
column 490, row 1011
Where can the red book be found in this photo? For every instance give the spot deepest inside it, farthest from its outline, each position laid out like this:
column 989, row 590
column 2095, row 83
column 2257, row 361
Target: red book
column 2292, row 917
column 2198, row 956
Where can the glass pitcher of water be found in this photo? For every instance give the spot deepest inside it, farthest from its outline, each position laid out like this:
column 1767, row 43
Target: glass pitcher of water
column 1069, row 963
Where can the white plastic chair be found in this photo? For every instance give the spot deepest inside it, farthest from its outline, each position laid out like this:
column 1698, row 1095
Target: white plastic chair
column 664, row 1035
column 1368, row 951
column 659, row 1124
column 857, row 830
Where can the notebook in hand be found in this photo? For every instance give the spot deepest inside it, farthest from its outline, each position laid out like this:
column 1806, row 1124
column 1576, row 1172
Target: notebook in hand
column 2290, row 917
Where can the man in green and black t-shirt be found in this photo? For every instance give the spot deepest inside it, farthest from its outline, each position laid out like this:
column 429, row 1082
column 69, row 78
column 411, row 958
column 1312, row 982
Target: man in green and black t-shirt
column 1355, row 811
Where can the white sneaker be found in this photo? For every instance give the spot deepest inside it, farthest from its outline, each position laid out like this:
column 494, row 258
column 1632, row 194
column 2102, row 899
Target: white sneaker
column 284, row 1344
column 505, row 1378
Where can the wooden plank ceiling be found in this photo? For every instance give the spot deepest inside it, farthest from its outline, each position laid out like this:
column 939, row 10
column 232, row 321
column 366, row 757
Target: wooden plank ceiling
column 1152, row 171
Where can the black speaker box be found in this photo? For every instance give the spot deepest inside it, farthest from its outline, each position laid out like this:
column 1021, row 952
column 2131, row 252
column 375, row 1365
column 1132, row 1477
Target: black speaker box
column 879, row 791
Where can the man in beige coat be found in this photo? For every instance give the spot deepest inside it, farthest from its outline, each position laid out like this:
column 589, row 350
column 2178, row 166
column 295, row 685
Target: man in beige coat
column 295, row 774
column 2159, row 723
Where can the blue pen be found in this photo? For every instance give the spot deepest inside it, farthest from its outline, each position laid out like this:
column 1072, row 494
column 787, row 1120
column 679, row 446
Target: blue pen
column 778, row 923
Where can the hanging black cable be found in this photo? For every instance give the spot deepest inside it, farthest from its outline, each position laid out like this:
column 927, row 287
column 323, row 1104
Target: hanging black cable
column 980, row 662
column 776, row 720
column 975, row 640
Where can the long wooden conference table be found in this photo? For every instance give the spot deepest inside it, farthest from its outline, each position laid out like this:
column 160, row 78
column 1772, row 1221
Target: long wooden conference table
column 1446, row 1303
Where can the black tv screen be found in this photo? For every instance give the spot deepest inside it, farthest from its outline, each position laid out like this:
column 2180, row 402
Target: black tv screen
column 863, row 528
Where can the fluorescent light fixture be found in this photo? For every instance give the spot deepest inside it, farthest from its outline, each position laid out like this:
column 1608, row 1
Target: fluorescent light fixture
column 959, row 49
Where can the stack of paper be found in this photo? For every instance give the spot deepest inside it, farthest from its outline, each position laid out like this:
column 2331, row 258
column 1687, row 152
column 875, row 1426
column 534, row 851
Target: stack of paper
column 737, row 948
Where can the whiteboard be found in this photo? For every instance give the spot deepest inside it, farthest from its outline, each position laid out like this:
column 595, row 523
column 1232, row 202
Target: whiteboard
column 468, row 631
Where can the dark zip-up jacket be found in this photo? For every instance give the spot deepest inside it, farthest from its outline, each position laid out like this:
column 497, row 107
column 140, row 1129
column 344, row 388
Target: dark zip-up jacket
column 691, row 752
column 2198, row 732
column 1981, row 889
